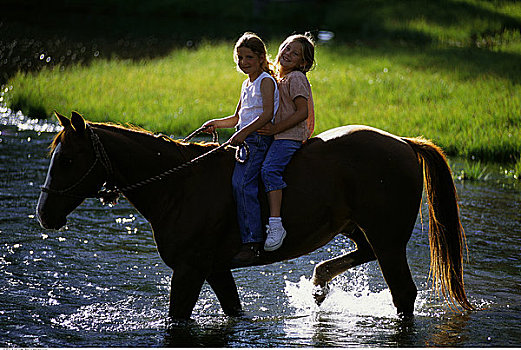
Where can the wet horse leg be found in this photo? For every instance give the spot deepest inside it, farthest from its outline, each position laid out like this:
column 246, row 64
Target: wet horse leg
column 388, row 239
column 185, row 287
column 397, row 275
column 327, row 270
column 223, row 285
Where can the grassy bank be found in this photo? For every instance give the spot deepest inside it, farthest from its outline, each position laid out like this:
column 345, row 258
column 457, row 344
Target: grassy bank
column 450, row 73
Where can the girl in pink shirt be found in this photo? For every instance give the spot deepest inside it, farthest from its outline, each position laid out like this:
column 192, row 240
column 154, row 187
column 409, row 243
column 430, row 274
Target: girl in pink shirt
column 294, row 123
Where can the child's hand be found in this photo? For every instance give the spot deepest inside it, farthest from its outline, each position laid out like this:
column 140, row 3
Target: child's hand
column 210, row 126
column 237, row 138
column 268, row 129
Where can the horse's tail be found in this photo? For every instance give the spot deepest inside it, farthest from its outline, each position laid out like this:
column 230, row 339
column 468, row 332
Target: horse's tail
column 446, row 235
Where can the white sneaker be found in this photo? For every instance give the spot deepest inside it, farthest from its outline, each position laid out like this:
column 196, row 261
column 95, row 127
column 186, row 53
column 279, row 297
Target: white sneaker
column 274, row 238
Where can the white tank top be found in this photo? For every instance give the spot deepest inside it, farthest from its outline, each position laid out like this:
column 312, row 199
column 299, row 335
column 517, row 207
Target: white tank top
column 251, row 100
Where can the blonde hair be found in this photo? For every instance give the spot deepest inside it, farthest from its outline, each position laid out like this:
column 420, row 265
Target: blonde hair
column 253, row 42
column 308, row 51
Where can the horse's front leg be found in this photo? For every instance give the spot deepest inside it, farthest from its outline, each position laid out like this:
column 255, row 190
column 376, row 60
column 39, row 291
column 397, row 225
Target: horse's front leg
column 185, row 288
column 223, row 285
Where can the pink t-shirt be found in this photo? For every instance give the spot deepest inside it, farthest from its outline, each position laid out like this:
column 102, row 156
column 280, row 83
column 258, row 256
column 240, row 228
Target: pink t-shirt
column 292, row 85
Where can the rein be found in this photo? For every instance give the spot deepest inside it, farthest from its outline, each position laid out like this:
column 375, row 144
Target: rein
column 215, row 138
column 110, row 195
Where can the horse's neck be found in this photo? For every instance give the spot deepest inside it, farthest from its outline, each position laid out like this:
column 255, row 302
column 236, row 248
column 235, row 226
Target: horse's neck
column 137, row 156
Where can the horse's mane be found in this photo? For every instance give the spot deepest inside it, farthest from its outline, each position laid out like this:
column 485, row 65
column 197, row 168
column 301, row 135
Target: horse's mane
column 134, row 129
column 131, row 129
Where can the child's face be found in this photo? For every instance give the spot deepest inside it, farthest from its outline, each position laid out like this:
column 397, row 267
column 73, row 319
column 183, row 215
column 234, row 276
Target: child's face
column 248, row 61
column 291, row 57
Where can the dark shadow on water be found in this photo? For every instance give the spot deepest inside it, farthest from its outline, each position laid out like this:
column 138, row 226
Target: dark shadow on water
column 190, row 334
column 405, row 333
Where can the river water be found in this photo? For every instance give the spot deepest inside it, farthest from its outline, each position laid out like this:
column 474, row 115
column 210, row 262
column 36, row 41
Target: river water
column 101, row 283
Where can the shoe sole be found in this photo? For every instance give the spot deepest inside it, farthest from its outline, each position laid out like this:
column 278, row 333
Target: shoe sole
column 275, row 247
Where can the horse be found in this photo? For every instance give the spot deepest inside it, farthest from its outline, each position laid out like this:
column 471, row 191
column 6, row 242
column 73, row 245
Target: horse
column 356, row 181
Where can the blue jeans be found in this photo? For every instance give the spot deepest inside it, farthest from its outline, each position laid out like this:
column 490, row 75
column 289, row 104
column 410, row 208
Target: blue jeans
column 277, row 158
column 245, row 182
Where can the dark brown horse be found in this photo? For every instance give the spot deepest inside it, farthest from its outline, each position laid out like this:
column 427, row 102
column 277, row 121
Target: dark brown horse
column 356, row 181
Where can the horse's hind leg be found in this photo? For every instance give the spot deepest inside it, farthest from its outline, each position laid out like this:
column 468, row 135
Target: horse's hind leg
column 329, row 269
column 397, row 275
column 223, row 285
column 388, row 239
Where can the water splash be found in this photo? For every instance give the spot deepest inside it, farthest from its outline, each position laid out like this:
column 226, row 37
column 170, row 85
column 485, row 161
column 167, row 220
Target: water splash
column 355, row 294
column 349, row 295
column 351, row 307
column 357, row 310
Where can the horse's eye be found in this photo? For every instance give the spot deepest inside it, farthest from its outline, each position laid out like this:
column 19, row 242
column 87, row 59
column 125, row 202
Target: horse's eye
column 66, row 161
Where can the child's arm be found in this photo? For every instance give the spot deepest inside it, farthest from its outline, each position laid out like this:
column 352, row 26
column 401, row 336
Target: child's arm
column 226, row 122
column 267, row 90
column 300, row 114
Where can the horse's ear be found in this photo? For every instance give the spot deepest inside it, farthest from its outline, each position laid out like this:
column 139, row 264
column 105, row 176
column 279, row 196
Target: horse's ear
column 64, row 121
column 78, row 123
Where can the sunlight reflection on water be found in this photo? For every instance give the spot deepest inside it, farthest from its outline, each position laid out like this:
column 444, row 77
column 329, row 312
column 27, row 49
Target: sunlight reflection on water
column 8, row 117
column 129, row 314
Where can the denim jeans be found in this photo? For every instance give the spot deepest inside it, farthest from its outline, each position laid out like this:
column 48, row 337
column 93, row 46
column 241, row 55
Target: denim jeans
column 278, row 156
column 245, row 183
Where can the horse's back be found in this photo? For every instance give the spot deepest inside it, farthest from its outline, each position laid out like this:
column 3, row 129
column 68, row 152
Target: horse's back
column 350, row 130
column 361, row 155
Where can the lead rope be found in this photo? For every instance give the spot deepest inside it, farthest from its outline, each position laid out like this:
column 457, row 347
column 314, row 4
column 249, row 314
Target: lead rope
column 215, row 138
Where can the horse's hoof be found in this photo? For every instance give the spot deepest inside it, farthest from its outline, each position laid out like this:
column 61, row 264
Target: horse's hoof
column 243, row 315
column 239, row 313
column 405, row 315
column 320, row 293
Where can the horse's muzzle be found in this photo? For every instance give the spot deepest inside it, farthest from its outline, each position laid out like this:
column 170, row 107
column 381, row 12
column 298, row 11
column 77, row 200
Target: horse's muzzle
column 46, row 220
column 50, row 224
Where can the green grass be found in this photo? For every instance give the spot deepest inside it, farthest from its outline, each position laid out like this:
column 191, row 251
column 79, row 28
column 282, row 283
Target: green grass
column 173, row 94
column 473, row 171
column 460, row 88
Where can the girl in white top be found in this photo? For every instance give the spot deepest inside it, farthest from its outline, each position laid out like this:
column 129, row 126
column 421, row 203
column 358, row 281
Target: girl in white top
column 257, row 106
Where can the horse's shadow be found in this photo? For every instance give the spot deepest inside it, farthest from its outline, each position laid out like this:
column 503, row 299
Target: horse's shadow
column 190, row 334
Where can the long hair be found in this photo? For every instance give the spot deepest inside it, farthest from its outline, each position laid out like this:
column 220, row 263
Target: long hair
column 253, row 42
column 308, row 51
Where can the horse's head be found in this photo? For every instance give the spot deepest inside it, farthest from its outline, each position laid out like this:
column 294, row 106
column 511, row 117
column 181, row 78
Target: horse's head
column 74, row 172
